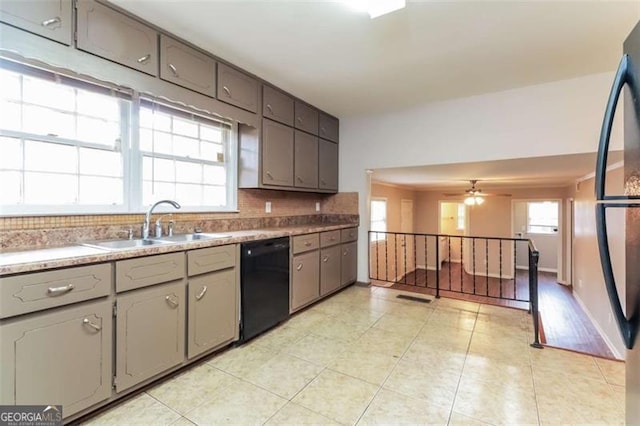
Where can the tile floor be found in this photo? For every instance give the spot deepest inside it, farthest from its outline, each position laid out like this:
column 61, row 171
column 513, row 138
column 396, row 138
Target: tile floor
column 365, row 357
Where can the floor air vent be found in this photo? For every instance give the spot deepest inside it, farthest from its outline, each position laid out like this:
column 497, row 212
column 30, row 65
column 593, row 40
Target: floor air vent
column 413, row 299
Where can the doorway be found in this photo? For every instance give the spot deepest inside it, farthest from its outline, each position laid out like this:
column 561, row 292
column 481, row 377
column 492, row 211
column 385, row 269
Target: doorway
column 407, row 242
column 453, row 221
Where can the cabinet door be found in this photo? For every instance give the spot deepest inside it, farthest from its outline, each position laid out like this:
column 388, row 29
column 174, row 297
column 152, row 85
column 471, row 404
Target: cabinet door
column 213, row 311
column 185, row 66
column 328, row 127
column 277, row 154
column 349, row 263
column 149, row 333
column 306, row 160
column 114, row 36
column 305, row 279
column 327, row 165
column 306, row 118
column 277, row 105
column 58, row 358
column 237, row 88
column 329, row 269
column 47, row 18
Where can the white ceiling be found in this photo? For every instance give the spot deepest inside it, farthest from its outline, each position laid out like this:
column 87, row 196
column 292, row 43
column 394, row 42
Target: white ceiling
column 551, row 171
column 347, row 64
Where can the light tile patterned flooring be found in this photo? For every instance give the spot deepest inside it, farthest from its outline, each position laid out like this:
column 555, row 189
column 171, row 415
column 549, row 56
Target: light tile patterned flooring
column 363, row 356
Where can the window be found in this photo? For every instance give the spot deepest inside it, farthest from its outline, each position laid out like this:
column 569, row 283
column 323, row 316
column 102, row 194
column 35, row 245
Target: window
column 542, row 217
column 462, row 211
column 70, row 147
column 378, row 218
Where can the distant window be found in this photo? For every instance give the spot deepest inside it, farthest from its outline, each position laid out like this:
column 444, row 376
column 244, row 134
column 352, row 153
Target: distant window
column 462, row 211
column 378, row 219
column 542, row 217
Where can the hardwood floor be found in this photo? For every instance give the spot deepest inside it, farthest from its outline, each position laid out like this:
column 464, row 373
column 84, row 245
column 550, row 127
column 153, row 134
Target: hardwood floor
column 564, row 324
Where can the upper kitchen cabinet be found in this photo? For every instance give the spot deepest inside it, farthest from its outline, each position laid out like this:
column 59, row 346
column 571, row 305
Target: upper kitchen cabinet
column 277, row 105
column 328, row 127
column 306, row 118
column 327, row 165
column 306, row 160
column 277, row 154
column 47, row 18
column 237, row 88
column 114, row 36
column 187, row 67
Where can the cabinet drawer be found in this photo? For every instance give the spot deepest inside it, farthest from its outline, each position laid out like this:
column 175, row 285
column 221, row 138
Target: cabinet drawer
column 114, row 36
column 146, row 271
column 277, row 106
column 329, row 238
column 302, row 243
column 237, row 88
column 328, row 127
column 43, row 290
column 50, row 19
column 306, row 118
column 58, row 357
column 185, row 66
column 347, row 235
column 211, row 259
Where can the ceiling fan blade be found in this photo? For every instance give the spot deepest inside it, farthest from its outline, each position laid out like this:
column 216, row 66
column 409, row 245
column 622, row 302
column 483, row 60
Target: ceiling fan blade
column 490, row 194
column 454, row 195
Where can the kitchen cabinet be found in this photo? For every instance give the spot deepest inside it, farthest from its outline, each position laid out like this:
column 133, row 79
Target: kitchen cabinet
column 47, row 18
column 330, row 274
column 150, row 332
column 306, row 118
column 327, row 165
column 277, row 154
column 328, row 127
column 237, row 88
column 349, row 263
column 305, row 279
column 60, row 357
column 187, row 67
column 117, row 37
column 277, row 105
column 305, row 160
column 213, row 286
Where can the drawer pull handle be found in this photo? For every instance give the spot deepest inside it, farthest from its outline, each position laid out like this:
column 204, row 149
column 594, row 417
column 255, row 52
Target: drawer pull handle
column 226, row 90
column 202, row 293
column 171, row 302
column 49, row 22
column 144, row 59
column 269, row 108
column 325, row 259
column 299, row 267
column 307, row 244
column 269, row 175
column 333, row 238
column 174, row 70
column 96, row 327
column 57, row 291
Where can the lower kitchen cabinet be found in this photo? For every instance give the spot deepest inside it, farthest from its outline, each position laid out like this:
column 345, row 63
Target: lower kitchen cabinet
column 150, row 332
column 213, row 314
column 63, row 357
column 349, row 264
column 329, row 269
column 305, row 279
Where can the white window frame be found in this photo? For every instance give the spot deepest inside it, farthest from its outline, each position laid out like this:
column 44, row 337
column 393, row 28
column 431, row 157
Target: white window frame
column 378, row 235
column 462, row 207
column 555, row 227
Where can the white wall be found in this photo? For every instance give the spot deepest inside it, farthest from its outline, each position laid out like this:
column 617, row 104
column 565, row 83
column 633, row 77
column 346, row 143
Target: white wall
column 562, row 117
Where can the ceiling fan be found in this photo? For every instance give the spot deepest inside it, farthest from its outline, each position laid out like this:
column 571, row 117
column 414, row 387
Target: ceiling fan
column 474, row 195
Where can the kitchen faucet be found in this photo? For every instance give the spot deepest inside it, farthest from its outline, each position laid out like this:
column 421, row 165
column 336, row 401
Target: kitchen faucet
column 147, row 219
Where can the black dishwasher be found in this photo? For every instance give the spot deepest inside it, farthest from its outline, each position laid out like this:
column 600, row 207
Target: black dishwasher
column 264, row 285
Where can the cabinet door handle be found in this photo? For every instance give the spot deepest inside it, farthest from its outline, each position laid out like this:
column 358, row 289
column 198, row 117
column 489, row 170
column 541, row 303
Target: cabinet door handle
column 171, row 302
column 346, row 252
column 322, row 131
column 144, row 58
column 322, row 181
column 202, row 293
column 325, row 259
column 270, row 109
column 269, row 175
column 299, row 120
column 174, row 70
column 49, row 22
column 307, row 244
column 226, row 90
column 96, row 327
column 57, row 291
column 299, row 179
column 299, row 267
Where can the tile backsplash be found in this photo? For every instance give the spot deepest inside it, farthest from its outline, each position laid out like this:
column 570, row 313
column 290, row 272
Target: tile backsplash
column 287, row 209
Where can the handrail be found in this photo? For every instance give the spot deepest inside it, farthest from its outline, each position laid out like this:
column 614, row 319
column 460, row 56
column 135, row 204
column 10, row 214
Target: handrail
column 450, row 235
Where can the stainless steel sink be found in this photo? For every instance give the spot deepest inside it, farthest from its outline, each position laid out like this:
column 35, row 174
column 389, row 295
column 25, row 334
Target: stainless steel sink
column 180, row 238
column 124, row 244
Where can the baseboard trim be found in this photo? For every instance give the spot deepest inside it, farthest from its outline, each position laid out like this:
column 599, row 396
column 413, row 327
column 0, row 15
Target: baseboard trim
column 604, row 336
column 526, row 268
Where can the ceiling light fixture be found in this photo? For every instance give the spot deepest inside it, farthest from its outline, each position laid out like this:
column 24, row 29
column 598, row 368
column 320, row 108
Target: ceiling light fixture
column 473, row 200
column 376, row 8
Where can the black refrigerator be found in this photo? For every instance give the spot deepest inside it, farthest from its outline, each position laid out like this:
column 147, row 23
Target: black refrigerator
column 627, row 84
